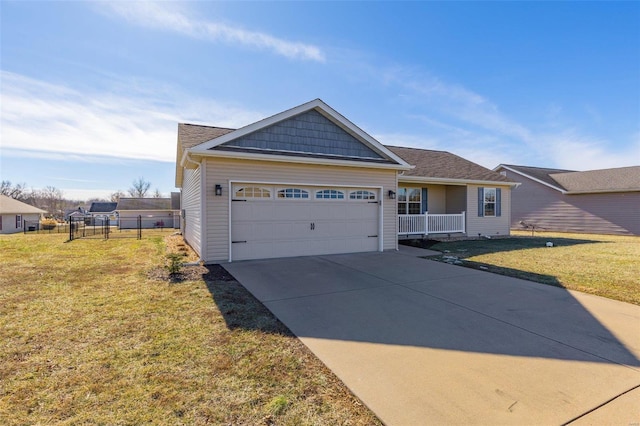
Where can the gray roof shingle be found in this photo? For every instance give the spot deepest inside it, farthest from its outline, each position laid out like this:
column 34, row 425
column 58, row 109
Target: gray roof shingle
column 144, row 204
column 191, row 135
column 620, row 179
column 102, row 207
column 10, row 205
column 445, row 165
column 540, row 173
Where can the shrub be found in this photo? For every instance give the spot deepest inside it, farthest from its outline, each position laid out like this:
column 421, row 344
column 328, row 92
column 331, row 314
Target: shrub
column 48, row 224
column 174, row 265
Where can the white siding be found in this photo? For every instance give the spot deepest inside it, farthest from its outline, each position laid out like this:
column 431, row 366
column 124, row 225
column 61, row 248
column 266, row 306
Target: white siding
column 9, row 222
column 492, row 226
column 222, row 171
column 192, row 207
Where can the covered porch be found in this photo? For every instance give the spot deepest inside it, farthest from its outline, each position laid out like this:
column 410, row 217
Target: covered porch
column 426, row 209
column 425, row 224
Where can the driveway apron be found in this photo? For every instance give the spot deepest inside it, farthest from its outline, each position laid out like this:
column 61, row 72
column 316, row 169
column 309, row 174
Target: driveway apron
column 423, row 342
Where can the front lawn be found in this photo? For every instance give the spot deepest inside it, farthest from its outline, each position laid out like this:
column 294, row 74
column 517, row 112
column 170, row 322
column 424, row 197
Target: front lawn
column 92, row 331
column 605, row 265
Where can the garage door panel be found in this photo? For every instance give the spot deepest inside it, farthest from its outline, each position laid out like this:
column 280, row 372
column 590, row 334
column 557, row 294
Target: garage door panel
column 267, row 228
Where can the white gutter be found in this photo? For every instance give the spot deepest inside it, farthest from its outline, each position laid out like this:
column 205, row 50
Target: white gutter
column 460, row 182
column 300, row 159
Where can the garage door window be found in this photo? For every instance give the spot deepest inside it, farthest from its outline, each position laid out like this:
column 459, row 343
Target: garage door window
column 252, row 192
column 330, row 194
column 362, row 195
column 295, row 193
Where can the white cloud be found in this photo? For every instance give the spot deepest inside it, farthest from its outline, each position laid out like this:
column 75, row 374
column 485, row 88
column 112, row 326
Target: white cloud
column 165, row 16
column 38, row 117
column 573, row 151
column 456, row 119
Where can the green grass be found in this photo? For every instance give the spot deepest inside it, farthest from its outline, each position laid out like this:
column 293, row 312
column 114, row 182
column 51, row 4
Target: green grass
column 604, row 265
column 87, row 336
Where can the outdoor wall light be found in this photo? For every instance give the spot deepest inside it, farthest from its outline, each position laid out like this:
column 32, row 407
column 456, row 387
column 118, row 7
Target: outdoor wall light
column 218, row 190
column 392, row 195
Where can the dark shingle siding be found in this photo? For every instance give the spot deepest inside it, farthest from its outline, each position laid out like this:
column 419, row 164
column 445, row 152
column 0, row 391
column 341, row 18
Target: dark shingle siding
column 308, row 133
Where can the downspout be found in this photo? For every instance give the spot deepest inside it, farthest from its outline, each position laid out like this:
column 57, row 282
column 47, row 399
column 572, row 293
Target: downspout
column 186, row 157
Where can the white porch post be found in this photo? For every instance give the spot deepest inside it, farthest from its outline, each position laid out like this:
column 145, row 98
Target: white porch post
column 426, row 223
column 464, row 222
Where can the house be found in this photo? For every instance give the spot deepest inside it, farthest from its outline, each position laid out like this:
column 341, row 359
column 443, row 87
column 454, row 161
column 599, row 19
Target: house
column 136, row 213
column 456, row 195
column 99, row 211
column 605, row 201
column 307, row 181
column 15, row 216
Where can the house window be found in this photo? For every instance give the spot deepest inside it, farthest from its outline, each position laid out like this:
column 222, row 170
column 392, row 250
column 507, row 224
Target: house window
column 489, row 202
column 330, row 194
column 362, row 195
column 409, row 200
column 18, row 221
column 293, row 193
column 252, row 192
column 0, row 222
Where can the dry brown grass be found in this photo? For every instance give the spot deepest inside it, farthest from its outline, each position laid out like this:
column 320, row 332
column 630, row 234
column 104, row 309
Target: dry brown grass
column 87, row 336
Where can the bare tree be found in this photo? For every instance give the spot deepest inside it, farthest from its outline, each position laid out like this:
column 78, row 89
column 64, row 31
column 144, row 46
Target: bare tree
column 18, row 191
column 115, row 197
column 157, row 194
column 139, row 188
column 50, row 199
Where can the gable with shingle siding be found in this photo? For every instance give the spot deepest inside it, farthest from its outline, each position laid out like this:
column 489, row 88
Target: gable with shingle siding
column 308, row 133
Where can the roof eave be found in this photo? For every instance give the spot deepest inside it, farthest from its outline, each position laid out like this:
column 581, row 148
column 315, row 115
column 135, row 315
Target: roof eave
column 601, row 191
column 295, row 159
column 451, row 181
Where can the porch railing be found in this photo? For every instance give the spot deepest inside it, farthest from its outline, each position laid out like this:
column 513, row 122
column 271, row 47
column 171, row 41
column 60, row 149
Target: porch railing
column 424, row 224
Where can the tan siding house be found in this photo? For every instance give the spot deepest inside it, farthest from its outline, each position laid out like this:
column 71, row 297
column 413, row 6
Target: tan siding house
column 605, row 201
column 307, row 181
column 303, row 182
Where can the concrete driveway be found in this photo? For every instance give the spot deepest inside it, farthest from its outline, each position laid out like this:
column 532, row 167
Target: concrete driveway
column 422, row 342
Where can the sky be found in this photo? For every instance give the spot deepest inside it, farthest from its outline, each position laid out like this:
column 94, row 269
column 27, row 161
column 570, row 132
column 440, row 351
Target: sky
column 91, row 92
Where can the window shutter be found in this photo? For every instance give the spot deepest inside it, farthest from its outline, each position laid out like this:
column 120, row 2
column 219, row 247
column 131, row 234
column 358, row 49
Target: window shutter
column 425, row 206
column 480, row 202
column 498, row 202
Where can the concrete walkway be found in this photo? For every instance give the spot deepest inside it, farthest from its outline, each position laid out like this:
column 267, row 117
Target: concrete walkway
column 422, row 342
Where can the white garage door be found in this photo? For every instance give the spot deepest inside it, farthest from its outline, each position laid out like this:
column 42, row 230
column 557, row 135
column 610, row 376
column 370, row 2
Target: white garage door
column 285, row 221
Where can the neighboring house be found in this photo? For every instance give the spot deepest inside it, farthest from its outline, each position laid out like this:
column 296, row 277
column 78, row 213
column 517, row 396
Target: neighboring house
column 149, row 212
column 307, row 181
column 75, row 213
column 100, row 211
column 15, row 215
column 605, row 201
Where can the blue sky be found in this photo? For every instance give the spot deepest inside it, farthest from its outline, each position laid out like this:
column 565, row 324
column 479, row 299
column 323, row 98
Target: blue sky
column 91, row 92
